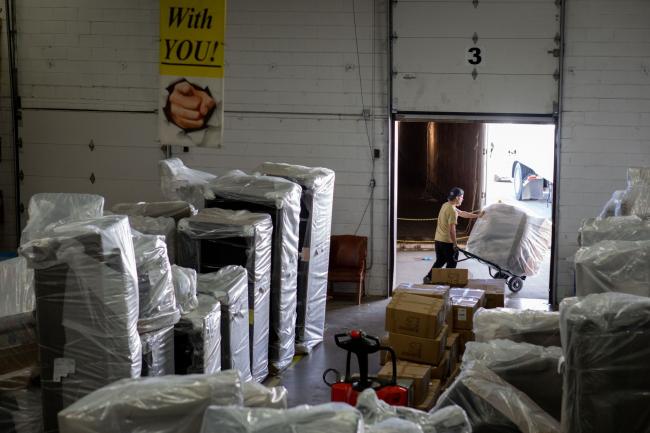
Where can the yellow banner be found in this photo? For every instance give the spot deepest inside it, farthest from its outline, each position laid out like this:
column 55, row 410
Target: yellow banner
column 191, row 37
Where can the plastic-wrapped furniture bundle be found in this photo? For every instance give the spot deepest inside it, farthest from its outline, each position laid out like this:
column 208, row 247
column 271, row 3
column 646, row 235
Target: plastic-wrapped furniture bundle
column 529, row 368
column 51, row 209
column 626, row 228
column 18, row 343
column 324, row 418
column 613, row 266
column 316, row 205
column 178, row 182
column 197, row 338
column 156, row 209
column 257, row 395
column 215, row 238
column 160, row 226
column 157, row 301
column 86, row 288
column 493, row 405
column 450, row 419
column 394, row 425
column 184, row 280
column 229, row 285
column 158, row 352
column 20, row 410
column 606, row 343
column 636, row 198
column 17, row 287
column 280, row 199
column 169, row 404
column 613, row 205
column 541, row 328
column 509, row 237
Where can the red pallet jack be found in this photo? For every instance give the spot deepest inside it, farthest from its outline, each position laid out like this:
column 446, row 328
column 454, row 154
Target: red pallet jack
column 347, row 390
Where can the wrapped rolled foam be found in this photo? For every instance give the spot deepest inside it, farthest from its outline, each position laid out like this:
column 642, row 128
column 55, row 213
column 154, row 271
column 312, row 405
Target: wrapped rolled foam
column 527, row 326
column 157, row 300
column 179, row 182
column 51, row 209
column 529, row 368
column 184, row 280
column 511, row 238
column 258, row 395
column 17, row 287
column 324, row 418
column 613, row 266
column 450, row 419
column 606, row 344
column 626, row 228
column 316, row 204
column 494, row 405
column 168, row 404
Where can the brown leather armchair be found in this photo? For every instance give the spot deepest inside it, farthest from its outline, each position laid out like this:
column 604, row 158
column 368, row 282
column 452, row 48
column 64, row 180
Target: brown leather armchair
column 348, row 262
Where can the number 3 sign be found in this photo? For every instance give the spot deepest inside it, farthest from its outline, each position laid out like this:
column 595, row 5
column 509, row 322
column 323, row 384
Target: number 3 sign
column 474, row 56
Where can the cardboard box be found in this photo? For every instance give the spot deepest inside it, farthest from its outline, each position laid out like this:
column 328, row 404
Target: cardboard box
column 419, row 316
column 441, row 371
column 453, row 343
column 464, row 337
column 435, row 387
column 418, row 373
column 495, row 289
column 452, row 277
column 465, row 302
column 432, row 291
column 417, row 349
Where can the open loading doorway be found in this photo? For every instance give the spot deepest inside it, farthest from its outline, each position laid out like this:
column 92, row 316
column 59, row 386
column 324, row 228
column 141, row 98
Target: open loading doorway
column 510, row 163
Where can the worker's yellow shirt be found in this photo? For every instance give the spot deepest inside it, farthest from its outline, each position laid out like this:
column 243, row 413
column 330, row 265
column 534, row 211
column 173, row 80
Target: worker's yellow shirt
column 446, row 217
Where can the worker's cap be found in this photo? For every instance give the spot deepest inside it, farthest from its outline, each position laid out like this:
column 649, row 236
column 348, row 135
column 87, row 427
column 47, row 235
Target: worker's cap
column 455, row 192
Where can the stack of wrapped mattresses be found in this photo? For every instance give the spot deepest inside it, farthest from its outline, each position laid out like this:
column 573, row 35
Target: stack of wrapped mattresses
column 216, row 238
column 511, row 238
column 313, row 245
column 280, row 199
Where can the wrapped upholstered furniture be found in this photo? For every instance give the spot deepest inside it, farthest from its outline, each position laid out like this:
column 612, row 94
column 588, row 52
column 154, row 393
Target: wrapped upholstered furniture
column 606, row 343
column 313, row 246
column 179, row 182
column 541, row 328
column 197, row 338
column 215, row 238
column 280, row 199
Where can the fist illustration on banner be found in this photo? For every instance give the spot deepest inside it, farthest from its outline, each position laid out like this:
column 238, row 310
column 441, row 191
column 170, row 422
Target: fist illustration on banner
column 189, row 106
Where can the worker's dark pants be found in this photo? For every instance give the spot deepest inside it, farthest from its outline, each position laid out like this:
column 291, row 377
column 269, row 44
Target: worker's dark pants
column 445, row 255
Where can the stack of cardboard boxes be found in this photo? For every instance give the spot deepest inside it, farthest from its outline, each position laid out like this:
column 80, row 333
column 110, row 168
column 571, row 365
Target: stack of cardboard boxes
column 428, row 327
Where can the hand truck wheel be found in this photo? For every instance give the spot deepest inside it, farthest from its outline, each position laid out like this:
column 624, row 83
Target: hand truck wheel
column 515, row 284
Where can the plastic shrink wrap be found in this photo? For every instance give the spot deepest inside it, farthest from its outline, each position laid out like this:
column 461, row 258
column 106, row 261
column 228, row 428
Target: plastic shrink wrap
column 325, row 418
column 86, row 290
column 178, row 182
column 450, row 419
column 316, row 204
column 20, row 410
column 160, row 226
column 394, row 425
column 229, row 285
column 636, row 198
column 51, row 209
column 158, row 352
column 169, row 404
column 494, row 405
column 627, row 228
column 280, row 199
column 215, row 238
column 17, row 287
column 613, row 205
column 156, row 209
column 258, row 395
column 613, row 266
column 184, row 280
column 197, row 338
column 526, row 326
column 529, row 368
column 509, row 237
column 606, row 343
column 157, row 300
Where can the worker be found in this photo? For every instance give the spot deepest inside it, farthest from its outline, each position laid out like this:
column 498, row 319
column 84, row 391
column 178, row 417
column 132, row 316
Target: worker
column 445, row 238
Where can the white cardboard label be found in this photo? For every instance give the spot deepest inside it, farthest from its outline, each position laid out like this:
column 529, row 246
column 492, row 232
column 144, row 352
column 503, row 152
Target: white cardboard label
column 462, row 314
column 62, row 367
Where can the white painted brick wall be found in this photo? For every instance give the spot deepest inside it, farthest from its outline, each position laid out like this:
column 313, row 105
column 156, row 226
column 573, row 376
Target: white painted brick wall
column 606, row 118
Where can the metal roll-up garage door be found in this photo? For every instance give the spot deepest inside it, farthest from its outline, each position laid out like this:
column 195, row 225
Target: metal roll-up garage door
column 481, row 56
